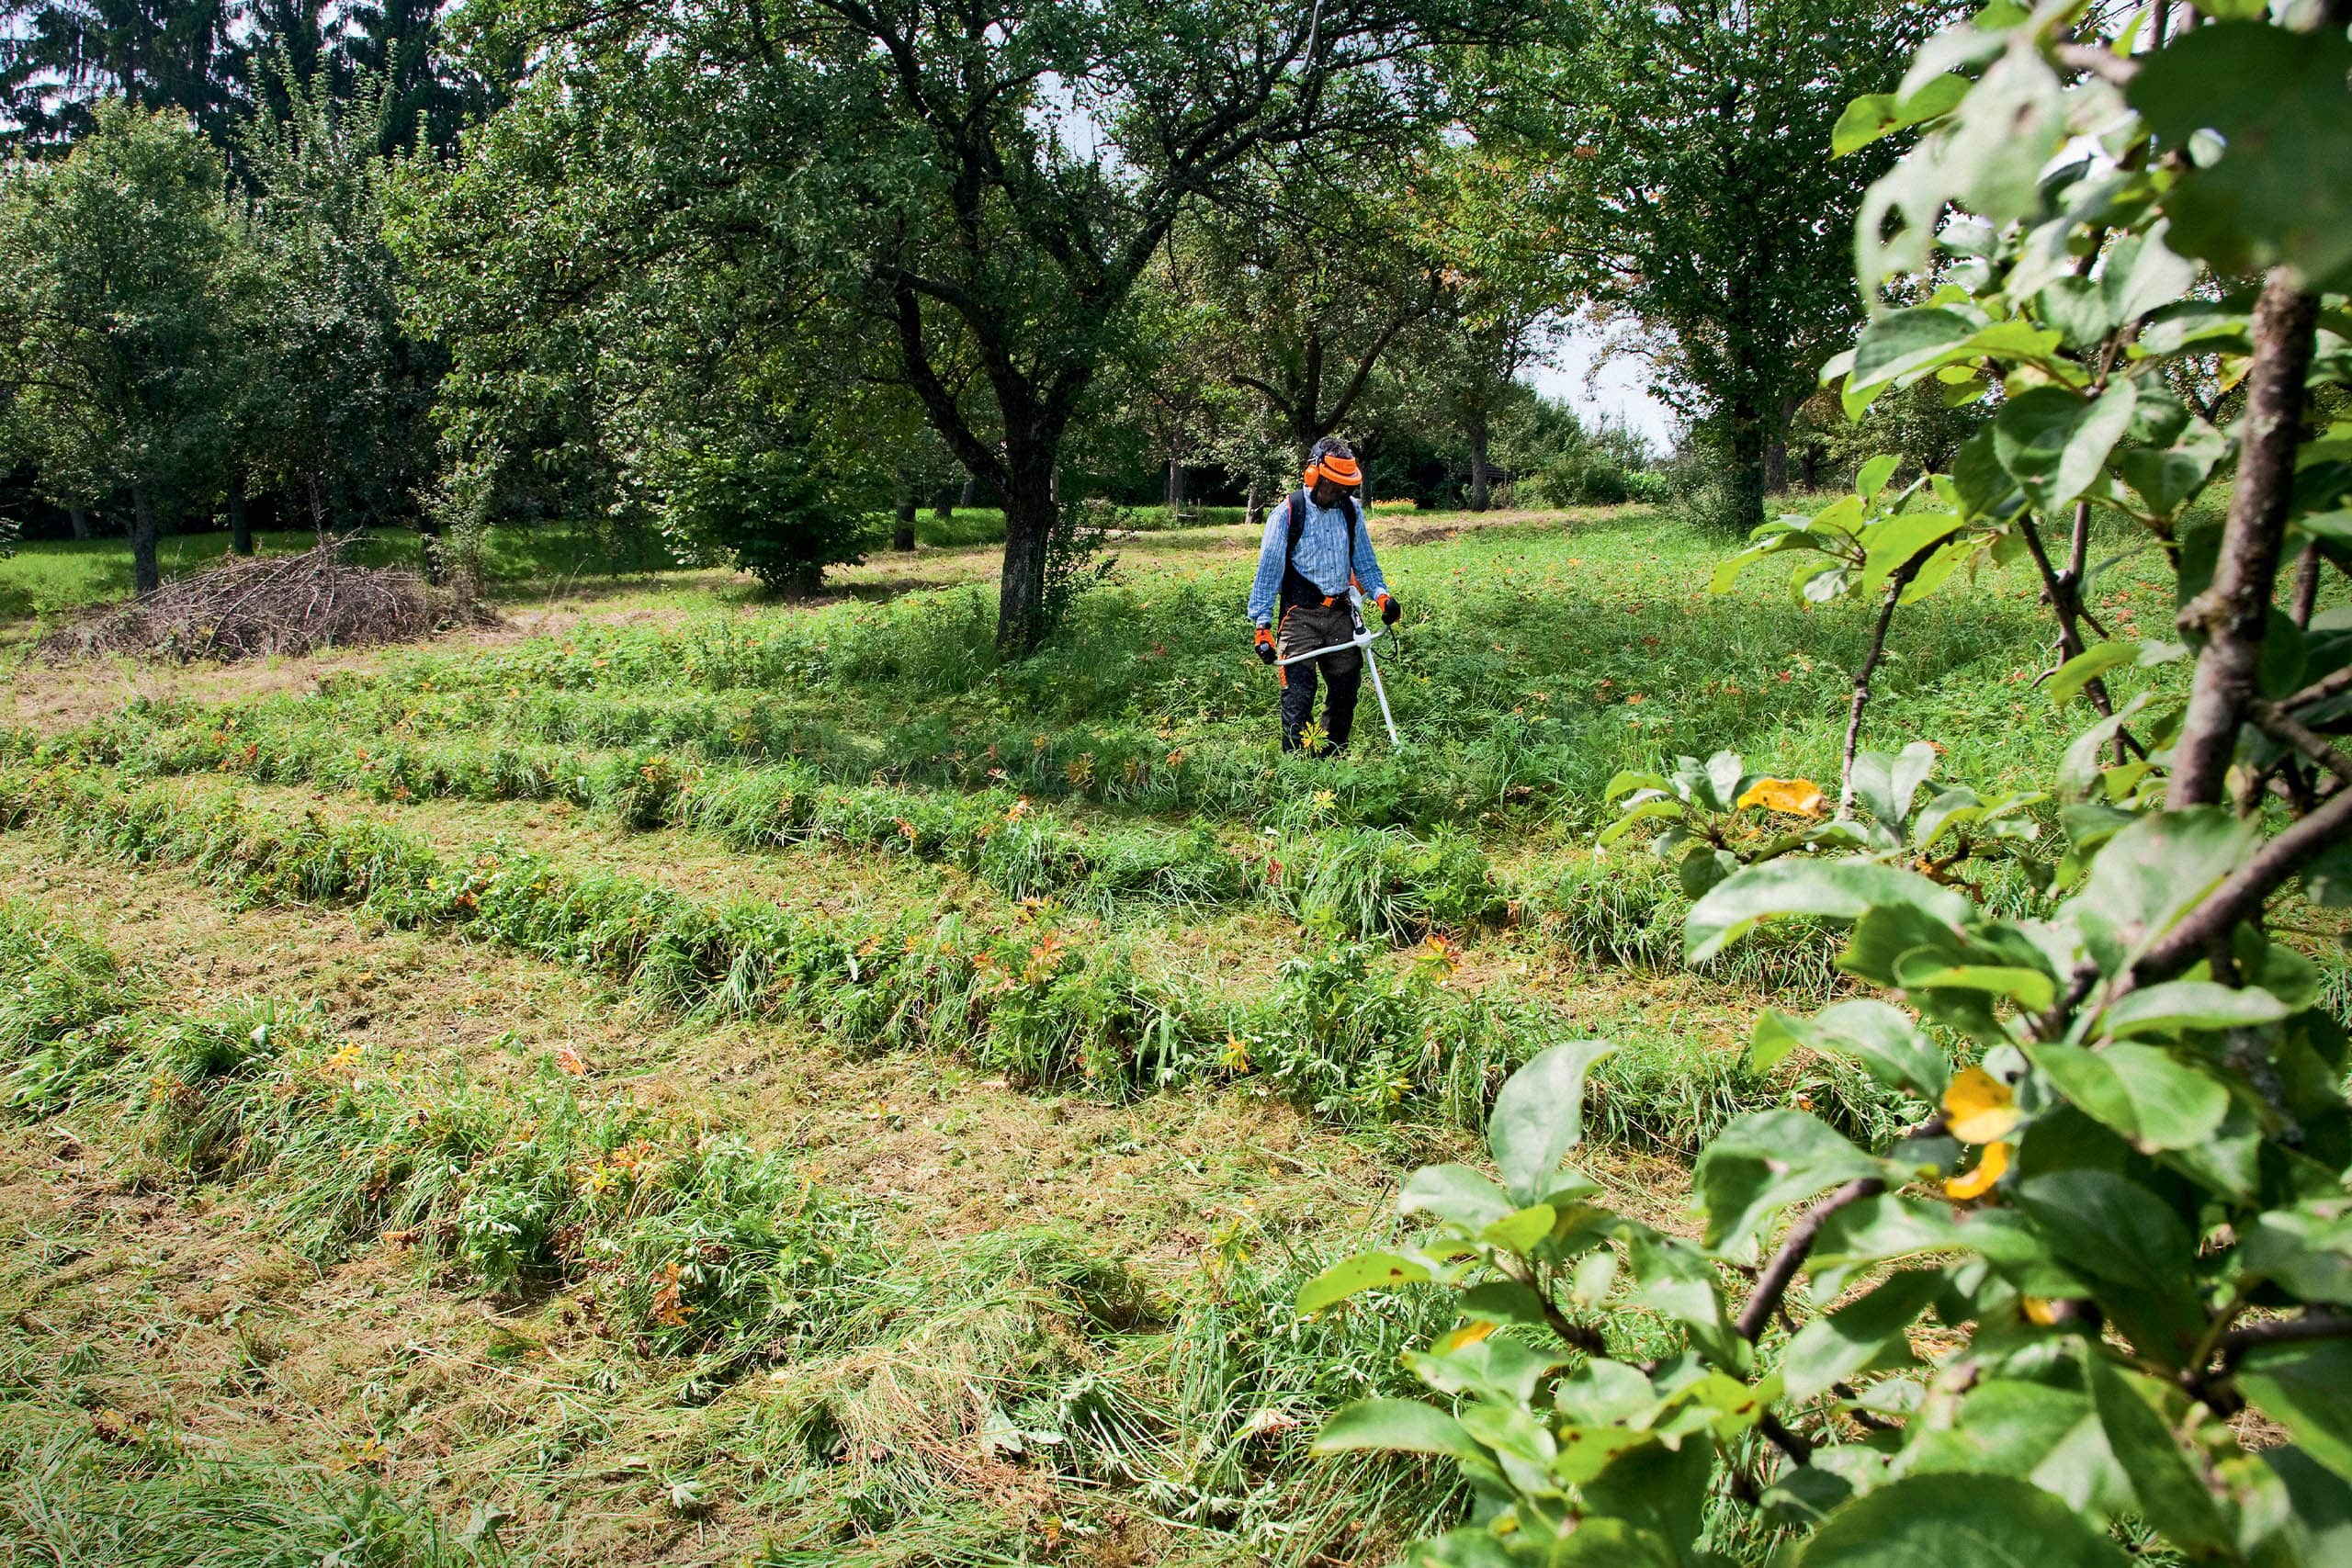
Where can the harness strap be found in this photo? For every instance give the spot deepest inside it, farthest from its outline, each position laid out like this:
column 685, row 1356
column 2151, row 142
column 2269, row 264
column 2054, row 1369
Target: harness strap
column 1296, row 587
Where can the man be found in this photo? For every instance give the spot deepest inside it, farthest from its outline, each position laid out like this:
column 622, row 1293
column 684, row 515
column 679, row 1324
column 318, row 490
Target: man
column 1315, row 547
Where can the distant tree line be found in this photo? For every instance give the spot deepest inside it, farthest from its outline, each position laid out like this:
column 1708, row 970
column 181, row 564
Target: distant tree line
column 745, row 278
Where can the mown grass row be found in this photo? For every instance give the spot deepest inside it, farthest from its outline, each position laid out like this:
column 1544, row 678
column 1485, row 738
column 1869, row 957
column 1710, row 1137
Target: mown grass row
column 708, row 1257
column 1342, row 1030
column 140, row 1497
column 1334, row 877
column 1366, row 881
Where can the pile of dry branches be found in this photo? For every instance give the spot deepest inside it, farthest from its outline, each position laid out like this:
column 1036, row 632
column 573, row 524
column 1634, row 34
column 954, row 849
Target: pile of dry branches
column 246, row 607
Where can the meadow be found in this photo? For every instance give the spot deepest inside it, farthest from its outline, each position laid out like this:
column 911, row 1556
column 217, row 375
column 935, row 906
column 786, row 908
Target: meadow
column 680, row 1078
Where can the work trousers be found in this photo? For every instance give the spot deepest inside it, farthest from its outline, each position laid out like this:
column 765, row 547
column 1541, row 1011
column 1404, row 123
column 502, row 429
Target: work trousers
column 1311, row 625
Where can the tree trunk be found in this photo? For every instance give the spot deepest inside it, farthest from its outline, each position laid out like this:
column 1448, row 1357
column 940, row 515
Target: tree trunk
column 1776, row 466
column 1748, row 445
column 963, row 498
column 1029, row 510
column 1481, row 472
column 1253, row 505
column 145, row 575
column 1175, row 486
column 241, row 525
column 902, row 536
column 1809, row 466
column 943, row 505
column 79, row 516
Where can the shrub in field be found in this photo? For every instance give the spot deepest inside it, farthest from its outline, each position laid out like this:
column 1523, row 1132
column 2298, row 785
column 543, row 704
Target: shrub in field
column 2096, row 1294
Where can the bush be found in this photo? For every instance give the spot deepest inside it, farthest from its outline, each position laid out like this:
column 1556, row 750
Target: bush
column 779, row 511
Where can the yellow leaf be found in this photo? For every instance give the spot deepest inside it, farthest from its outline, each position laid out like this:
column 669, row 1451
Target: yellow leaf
column 1799, row 797
column 1977, row 1182
column 2040, row 1310
column 1468, row 1334
column 1979, row 1108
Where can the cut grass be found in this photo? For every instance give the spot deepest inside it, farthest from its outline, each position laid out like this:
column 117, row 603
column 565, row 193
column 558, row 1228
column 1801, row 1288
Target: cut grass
column 1004, row 1380
column 1354, row 1041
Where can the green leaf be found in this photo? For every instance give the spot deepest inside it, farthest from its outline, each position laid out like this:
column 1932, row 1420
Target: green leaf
column 2140, row 1091
column 1874, row 115
column 1866, row 119
column 2153, row 873
column 1765, row 1161
column 2049, row 1436
column 2306, row 1249
column 1957, row 1521
column 1353, row 1276
column 2053, row 443
column 1505, row 1302
column 2010, row 128
column 1885, row 786
column 2328, row 881
column 1397, row 1425
column 1455, row 1193
column 1675, row 1279
column 2031, row 989
column 1874, row 1033
column 2169, row 1487
column 2143, row 273
column 2320, row 1503
column 1836, row 890
column 1875, row 473
column 2108, row 1225
column 2088, row 666
column 1522, row 1229
column 1895, row 541
column 2177, row 1006
column 2281, row 190
column 1627, row 782
column 2301, row 1388
column 2080, row 770
column 1539, row 1116
column 1867, row 1336
column 1901, row 342
column 1635, row 816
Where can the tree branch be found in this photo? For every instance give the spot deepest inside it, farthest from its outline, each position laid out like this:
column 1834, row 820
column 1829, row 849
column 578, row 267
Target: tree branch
column 1774, row 1281
column 2284, row 1331
column 2103, row 63
column 2289, row 731
column 2332, row 684
column 2231, row 616
column 2240, row 897
column 1895, row 587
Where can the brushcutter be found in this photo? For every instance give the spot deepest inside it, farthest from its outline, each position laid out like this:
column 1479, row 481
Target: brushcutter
column 1362, row 640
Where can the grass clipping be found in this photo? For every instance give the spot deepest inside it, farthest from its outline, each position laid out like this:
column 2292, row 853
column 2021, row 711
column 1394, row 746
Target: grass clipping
column 243, row 608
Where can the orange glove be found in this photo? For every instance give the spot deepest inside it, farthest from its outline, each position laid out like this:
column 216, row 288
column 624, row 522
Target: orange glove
column 1389, row 613
column 1265, row 646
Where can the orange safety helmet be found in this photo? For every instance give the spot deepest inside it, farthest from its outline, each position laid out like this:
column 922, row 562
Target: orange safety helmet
column 1332, row 460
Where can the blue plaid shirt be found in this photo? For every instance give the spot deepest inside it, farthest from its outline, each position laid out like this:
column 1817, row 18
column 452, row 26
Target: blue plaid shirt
column 1321, row 558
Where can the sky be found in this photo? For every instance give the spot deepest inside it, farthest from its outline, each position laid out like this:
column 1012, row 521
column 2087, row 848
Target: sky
column 1618, row 390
